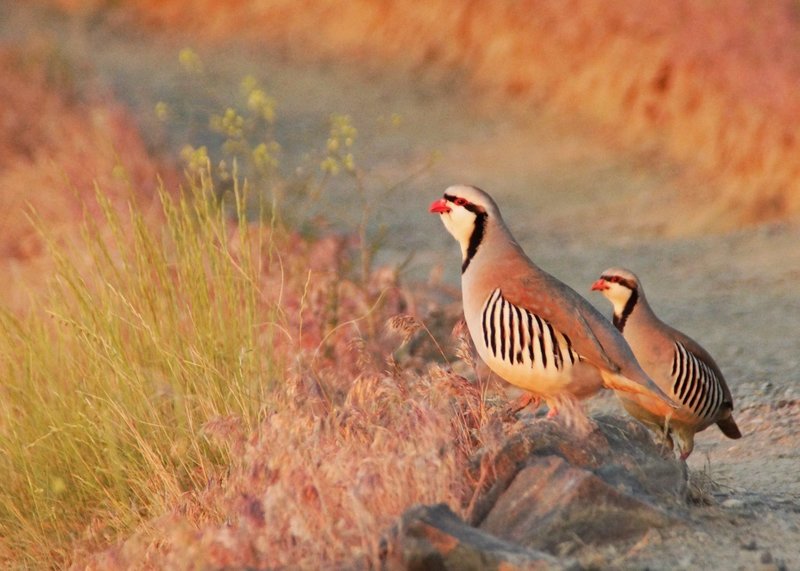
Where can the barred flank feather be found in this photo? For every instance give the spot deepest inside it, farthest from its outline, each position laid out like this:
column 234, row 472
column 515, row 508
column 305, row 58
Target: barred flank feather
column 695, row 384
column 519, row 337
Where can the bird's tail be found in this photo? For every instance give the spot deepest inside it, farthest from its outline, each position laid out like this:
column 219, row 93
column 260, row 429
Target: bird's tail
column 729, row 427
column 652, row 399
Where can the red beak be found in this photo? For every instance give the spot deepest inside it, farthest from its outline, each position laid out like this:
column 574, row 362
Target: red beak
column 600, row 285
column 439, row 207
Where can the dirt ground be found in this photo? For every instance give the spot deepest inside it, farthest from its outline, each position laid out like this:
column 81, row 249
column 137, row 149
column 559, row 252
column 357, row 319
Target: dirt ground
column 578, row 204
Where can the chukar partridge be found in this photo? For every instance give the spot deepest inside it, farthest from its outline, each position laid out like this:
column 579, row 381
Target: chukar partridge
column 679, row 365
column 529, row 328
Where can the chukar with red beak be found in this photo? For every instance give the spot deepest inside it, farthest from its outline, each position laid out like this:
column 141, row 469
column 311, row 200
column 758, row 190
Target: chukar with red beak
column 531, row 329
column 678, row 364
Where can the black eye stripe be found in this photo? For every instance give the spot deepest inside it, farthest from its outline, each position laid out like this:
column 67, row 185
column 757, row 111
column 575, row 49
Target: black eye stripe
column 630, row 284
column 474, row 208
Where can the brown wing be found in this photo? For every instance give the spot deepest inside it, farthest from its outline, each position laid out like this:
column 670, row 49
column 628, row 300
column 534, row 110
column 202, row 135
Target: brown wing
column 573, row 316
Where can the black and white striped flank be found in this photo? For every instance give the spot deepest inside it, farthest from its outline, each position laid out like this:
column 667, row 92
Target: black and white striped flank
column 695, row 384
column 519, row 337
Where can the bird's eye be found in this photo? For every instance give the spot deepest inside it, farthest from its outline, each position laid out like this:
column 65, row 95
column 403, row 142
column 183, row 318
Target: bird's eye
column 614, row 279
column 460, row 201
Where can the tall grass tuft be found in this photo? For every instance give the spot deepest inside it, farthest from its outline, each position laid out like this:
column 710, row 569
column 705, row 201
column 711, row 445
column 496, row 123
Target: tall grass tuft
column 108, row 383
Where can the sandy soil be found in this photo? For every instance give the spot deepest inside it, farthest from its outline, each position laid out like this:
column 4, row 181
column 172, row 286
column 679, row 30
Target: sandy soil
column 578, row 205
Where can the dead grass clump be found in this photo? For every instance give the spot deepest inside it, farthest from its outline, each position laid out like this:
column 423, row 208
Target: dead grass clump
column 703, row 487
column 319, row 490
column 336, row 461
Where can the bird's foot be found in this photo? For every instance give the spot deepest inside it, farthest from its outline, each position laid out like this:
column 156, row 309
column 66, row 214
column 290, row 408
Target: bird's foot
column 520, row 403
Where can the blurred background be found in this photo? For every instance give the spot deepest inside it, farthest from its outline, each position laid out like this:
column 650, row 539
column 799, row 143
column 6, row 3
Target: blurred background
column 649, row 118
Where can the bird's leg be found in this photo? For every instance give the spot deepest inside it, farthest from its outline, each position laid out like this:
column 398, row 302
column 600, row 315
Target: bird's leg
column 667, row 441
column 521, row 402
column 552, row 412
column 666, row 434
column 667, row 418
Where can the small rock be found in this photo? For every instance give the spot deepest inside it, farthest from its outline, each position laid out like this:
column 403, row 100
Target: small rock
column 733, row 503
column 750, row 545
column 620, row 452
column 766, row 557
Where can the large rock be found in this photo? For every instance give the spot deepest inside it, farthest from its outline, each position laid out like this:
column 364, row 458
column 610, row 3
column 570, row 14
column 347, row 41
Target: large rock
column 433, row 538
column 549, row 491
column 619, row 453
column 551, row 503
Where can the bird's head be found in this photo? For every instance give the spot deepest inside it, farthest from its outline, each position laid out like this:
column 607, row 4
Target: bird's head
column 465, row 212
column 618, row 285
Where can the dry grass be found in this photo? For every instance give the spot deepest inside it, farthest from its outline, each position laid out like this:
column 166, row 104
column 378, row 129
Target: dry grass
column 201, row 391
column 319, row 482
column 710, row 84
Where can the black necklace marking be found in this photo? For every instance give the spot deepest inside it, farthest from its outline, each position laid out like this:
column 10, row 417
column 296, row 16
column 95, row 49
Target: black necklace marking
column 619, row 320
column 476, row 237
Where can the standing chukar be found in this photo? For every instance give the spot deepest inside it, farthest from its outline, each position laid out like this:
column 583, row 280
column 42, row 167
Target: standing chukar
column 529, row 328
column 680, row 366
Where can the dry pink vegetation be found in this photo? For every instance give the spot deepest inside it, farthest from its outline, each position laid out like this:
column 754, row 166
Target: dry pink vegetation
column 351, row 438
column 314, row 489
column 712, row 84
